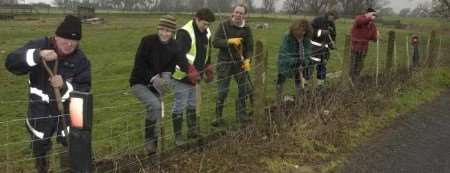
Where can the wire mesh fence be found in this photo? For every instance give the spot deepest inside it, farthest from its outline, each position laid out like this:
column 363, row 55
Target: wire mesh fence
column 121, row 135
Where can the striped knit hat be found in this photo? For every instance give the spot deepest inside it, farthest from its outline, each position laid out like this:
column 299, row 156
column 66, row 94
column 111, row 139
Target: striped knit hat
column 169, row 22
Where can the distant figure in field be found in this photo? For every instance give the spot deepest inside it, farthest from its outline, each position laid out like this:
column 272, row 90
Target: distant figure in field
column 363, row 31
column 235, row 42
column 194, row 41
column 323, row 39
column 294, row 55
column 154, row 63
column 73, row 73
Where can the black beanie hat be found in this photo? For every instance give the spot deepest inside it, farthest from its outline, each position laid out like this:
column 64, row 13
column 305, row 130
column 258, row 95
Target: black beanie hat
column 70, row 28
column 370, row 10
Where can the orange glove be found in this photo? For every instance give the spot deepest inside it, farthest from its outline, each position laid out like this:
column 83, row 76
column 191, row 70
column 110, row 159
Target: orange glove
column 193, row 74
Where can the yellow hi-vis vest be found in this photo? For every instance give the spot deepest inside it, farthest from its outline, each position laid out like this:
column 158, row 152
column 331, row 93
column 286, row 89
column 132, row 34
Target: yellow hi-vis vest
column 178, row 74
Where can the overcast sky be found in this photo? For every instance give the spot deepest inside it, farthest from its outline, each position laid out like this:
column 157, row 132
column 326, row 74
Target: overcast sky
column 397, row 5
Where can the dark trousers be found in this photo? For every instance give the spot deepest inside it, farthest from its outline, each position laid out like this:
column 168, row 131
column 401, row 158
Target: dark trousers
column 297, row 80
column 357, row 63
column 42, row 122
column 321, row 69
column 225, row 71
column 323, row 54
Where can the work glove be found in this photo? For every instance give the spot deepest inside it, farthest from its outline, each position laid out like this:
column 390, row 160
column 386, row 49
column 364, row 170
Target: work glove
column 193, row 74
column 209, row 72
column 246, row 65
column 236, row 42
column 161, row 82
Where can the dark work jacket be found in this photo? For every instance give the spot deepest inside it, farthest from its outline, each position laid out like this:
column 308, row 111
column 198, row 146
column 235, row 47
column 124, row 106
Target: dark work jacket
column 74, row 68
column 153, row 57
column 322, row 23
column 227, row 30
column 201, row 42
column 321, row 43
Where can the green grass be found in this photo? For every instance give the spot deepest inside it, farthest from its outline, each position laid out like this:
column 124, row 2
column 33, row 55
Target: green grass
column 118, row 116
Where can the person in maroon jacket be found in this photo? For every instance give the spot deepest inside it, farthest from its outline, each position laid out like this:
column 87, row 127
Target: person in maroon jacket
column 363, row 31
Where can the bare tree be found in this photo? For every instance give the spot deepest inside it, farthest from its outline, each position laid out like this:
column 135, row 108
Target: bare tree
column 8, row 1
column 354, row 7
column 249, row 4
column 422, row 10
column 269, row 6
column 196, row 4
column 293, row 7
column 316, row 6
column 220, row 6
column 441, row 8
column 404, row 12
column 387, row 12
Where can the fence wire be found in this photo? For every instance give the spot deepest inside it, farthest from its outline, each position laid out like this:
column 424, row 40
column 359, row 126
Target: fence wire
column 122, row 134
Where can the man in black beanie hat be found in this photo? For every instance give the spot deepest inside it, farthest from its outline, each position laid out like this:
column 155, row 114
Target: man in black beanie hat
column 73, row 73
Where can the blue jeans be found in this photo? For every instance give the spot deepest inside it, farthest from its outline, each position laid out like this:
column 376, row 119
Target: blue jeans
column 151, row 101
column 184, row 97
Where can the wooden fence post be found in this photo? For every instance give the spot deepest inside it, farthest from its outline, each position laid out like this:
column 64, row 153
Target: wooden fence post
column 390, row 53
column 432, row 49
column 346, row 64
column 258, row 92
column 439, row 50
column 408, row 57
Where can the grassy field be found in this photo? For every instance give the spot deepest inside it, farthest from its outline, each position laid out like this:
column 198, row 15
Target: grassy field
column 118, row 116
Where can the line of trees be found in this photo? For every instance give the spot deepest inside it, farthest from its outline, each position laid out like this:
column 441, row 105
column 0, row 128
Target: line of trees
column 436, row 8
column 157, row 5
column 8, row 2
column 345, row 7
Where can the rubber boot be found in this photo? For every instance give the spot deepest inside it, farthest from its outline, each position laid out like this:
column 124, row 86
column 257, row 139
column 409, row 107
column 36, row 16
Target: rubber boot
column 218, row 121
column 42, row 164
column 193, row 130
column 177, row 120
column 151, row 144
column 151, row 139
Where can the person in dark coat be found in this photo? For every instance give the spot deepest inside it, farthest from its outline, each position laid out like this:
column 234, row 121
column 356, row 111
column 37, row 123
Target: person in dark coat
column 234, row 40
column 363, row 31
column 155, row 61
column 323, row 39
column 294, row 54
column 73, row 73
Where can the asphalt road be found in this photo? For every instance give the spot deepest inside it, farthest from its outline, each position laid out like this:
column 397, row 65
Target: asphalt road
column 417, row 143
